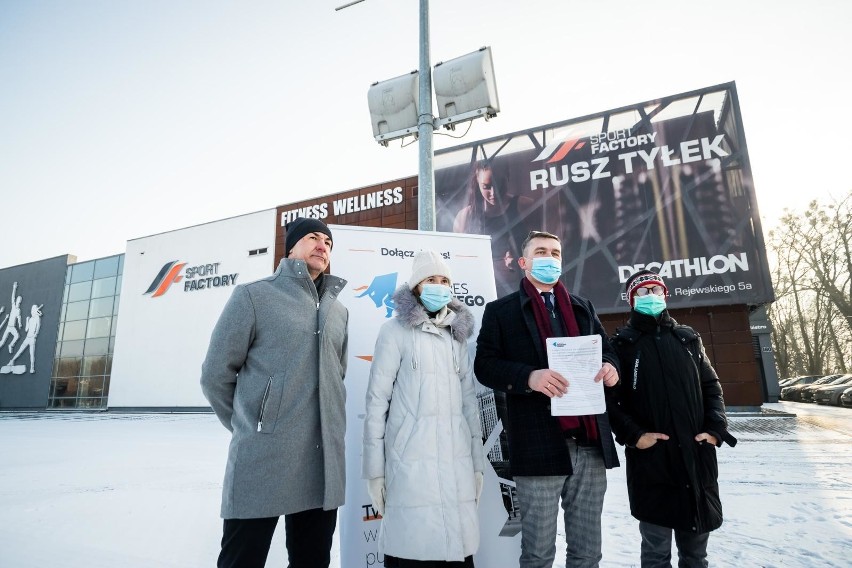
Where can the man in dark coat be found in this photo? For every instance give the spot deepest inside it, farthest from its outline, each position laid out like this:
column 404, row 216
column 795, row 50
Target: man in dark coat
column 668, row 411
column 552, row 458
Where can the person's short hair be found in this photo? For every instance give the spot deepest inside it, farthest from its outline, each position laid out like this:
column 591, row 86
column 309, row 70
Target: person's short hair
column 537, row 235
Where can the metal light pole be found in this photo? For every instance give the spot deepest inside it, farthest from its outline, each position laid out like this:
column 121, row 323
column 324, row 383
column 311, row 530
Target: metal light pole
column 425, row 126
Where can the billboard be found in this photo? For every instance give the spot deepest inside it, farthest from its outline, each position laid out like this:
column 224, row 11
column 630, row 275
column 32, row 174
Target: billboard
column 664, row 185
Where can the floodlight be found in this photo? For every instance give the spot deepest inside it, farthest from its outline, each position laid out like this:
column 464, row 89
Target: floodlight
column 393, row 107
column 465, row 88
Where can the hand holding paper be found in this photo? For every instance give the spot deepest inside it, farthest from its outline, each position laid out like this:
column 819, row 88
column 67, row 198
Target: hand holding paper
column 579, row 360
column 549, row 382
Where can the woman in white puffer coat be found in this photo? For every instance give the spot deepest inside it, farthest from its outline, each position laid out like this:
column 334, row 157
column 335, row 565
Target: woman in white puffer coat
column 422, row 455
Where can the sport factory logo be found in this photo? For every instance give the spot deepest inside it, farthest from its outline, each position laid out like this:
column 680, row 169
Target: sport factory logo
column 201, row 277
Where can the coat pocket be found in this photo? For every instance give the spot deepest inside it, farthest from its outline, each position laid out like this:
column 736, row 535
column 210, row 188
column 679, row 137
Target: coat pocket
column 269, row 406
column 403, row 435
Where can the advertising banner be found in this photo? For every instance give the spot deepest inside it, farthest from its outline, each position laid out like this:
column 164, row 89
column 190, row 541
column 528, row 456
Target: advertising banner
column 664, row 185
column 375, row 262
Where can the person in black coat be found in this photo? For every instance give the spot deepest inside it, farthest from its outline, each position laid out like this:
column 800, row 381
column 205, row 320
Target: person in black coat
column 551, row 458
column 669, row 413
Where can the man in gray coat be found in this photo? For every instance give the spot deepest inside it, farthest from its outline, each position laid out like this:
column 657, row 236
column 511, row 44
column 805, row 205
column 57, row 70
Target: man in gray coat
column 274, row 376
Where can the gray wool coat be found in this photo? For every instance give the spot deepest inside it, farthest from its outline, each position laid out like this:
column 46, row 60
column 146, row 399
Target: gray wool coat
column 274, row 376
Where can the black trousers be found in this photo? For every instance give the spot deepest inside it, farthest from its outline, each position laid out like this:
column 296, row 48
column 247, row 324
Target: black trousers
column 245, row 542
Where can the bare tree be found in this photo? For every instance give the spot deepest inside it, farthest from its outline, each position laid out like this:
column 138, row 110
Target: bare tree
column 812, row 316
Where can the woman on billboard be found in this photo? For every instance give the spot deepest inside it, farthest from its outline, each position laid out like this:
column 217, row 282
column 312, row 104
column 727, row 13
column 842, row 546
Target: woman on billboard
column 491, row 210
column 422, row 454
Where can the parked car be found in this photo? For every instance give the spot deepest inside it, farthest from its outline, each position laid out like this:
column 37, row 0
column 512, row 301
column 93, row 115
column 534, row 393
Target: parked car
column 830, row 394
column 790, row 381
column 846, row 397
column 794, row 392
column 807, row 393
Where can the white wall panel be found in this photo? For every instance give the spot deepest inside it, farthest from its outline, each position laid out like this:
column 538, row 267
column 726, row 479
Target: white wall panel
column 163, row 333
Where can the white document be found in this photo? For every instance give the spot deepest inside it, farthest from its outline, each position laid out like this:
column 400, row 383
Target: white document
column 578, row 359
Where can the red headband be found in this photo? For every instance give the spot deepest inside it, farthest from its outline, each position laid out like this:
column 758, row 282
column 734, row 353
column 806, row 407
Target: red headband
column 644, row 280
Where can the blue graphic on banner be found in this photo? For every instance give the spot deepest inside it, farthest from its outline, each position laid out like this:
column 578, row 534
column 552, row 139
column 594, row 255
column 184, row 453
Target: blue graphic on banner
column 381, row 292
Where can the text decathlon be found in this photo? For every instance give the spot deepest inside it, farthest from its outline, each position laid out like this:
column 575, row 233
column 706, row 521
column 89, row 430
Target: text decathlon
column 700, row 265
column 599, row 168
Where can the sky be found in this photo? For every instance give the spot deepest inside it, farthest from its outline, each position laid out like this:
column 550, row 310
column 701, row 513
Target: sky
column 121, row 119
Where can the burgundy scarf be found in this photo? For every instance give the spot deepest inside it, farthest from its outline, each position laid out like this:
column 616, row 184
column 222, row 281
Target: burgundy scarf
column 542, row 322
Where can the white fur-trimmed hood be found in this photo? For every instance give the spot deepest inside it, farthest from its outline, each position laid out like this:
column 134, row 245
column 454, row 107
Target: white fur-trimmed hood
column 412, row 313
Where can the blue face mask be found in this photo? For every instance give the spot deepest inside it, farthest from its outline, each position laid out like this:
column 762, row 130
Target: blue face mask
column 435, row 296
column 649, row 304
column 546, row 270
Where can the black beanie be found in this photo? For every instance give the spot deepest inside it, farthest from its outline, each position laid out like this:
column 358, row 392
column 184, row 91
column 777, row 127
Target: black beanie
column 298, row 228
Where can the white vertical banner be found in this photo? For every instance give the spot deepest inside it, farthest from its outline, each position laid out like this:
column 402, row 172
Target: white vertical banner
column 375, row 262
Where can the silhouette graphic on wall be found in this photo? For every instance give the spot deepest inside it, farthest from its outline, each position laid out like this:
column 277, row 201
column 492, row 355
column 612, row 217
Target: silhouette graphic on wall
column 14, row 318
column 31, row 327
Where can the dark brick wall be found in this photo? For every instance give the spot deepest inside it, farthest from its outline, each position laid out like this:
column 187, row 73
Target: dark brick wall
column 727, row 340
column 397, row 216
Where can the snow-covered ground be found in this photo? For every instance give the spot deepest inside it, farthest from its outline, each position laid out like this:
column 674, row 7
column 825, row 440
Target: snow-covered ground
column 127, row 491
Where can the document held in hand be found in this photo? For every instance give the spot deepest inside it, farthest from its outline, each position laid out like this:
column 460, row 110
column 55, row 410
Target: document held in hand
column 578, row 359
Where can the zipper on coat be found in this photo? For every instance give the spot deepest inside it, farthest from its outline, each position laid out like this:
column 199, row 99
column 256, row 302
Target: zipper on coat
column 263, row 404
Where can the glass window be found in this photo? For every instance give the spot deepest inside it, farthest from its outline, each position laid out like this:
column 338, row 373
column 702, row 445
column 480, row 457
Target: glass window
column 94, row 365
column 115, row 307
column 67, row 367
column 68, row 275
column 82, row 271
column 62, row 312
column 112, row 344
column 74, row 330
column 106, row 267
column 85, row 384
column 108, row 367
column 118, row 284
column 101, row 307
column 95, row 387
column 103, row 287
column 77, row 311
column 98, row 327
column 72, row 348
column 91, row 403
column 79, row 291
column 65, row 387
column 97, row 346
column 65, row 293
column 106, row 385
